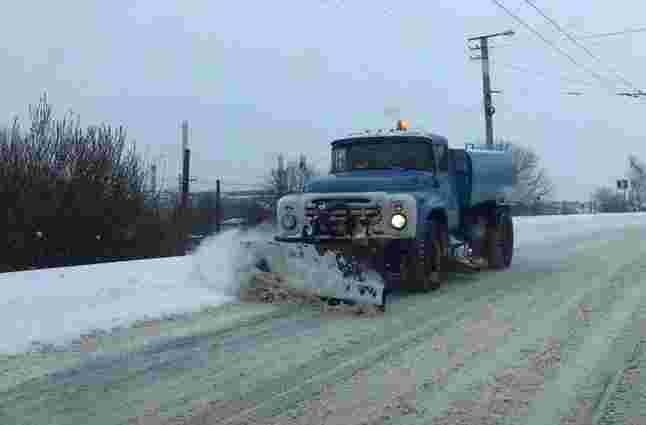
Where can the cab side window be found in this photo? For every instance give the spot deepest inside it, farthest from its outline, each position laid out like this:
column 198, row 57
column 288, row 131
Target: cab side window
column 339, row 160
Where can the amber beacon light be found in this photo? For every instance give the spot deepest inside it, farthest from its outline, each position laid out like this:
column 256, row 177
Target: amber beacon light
column 402, row 125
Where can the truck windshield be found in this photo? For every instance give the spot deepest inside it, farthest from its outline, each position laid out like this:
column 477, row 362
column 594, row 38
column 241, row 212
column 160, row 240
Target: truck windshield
column 381, row 153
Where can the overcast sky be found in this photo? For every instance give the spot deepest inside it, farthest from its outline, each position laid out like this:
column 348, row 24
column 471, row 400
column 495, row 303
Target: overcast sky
column 255, row 78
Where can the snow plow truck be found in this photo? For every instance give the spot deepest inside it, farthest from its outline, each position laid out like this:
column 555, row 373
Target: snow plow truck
column 403, row 203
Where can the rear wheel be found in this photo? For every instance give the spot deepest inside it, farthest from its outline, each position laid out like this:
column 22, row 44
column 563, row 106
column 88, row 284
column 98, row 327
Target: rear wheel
column 500, row 243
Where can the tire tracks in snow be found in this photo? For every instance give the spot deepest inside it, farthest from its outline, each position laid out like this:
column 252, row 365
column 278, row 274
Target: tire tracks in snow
column 415, row 335
column 280, row 373
column 465, row 377
column 560, row 323
column 297, row 392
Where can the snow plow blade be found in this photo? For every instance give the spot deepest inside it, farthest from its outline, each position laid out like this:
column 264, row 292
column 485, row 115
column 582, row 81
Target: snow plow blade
column 329, row 277
column 357, row 292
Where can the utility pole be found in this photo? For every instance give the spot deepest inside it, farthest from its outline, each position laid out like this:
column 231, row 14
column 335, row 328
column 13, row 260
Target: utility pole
column 186, row 155
column 302, row 166
column 282, row 176
column 153, row 179
column 489, row 110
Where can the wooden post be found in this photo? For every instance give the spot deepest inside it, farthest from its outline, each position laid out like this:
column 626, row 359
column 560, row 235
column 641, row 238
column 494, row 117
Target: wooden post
column 218, row 205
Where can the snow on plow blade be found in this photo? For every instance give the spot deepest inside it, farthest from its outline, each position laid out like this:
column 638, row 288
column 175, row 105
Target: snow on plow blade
column 325, row 276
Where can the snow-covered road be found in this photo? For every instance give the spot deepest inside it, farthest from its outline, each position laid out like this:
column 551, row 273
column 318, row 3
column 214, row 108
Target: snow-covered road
column 558, row 338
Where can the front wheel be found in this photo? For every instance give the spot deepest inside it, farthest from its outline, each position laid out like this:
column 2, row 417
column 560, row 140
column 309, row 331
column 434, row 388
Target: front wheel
column 425, row 268
column 437, row 257
column 500, row 243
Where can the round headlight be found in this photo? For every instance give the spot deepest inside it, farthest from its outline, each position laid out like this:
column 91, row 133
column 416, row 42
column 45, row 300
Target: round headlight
column 288, row 221
column 398, row 221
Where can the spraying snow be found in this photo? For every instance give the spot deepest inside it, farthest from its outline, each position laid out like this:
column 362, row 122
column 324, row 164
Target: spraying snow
column 230, row 264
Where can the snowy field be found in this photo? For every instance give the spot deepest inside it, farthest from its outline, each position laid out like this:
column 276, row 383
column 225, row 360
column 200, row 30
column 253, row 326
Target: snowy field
column 56, row 306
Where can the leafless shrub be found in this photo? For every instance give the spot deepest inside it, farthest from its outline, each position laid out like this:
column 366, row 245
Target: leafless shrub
column 75, row 195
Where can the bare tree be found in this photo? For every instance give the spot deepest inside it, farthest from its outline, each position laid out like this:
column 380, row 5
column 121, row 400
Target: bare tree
column 531, row 181
column 290, row 178
column 637, row 178
column 608, row 200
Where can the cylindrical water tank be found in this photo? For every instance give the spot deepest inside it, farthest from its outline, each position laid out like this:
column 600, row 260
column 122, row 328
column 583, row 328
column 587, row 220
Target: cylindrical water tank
column 491, row 175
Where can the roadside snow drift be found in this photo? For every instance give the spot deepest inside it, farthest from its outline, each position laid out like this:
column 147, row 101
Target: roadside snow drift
column 56, row 306
column 53, row 307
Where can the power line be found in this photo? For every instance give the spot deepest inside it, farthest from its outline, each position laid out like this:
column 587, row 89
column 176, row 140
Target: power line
column 612, row 34
column 591, row 36
column 543, row 74
column 235, row 185
column 552, row 45
column 577, row 43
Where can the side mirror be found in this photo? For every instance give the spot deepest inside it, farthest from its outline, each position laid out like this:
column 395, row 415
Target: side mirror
column 438, row 156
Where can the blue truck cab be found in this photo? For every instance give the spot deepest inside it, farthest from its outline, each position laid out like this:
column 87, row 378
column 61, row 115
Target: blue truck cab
column 403, row 202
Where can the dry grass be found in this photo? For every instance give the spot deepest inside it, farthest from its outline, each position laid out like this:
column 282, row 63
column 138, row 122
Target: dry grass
column 266, row 287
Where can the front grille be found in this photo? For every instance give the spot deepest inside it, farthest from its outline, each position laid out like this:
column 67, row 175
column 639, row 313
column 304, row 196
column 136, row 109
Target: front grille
column 342, row 214
column 342, row 200
column 342, row 219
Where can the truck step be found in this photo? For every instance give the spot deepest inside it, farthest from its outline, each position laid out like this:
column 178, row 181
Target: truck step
column 467, row 264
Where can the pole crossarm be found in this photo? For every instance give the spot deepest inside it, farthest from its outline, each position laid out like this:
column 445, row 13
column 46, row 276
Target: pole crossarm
column 498, row 34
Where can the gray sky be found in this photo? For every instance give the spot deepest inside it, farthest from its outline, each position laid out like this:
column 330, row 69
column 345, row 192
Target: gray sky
column 255, row 78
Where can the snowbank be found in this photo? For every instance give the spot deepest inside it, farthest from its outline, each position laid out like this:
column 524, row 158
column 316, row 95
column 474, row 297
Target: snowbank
column 539, row 230
column 55, row 306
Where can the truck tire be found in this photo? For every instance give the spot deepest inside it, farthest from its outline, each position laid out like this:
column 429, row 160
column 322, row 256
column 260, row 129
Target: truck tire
column 500, row 243
column 425, row 268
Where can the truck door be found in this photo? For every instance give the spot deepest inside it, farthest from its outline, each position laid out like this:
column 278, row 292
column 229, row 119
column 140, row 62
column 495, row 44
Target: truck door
column 462, row 176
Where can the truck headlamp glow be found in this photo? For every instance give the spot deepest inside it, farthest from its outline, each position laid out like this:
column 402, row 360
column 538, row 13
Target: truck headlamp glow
column 288, row 221
column 398, row 221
